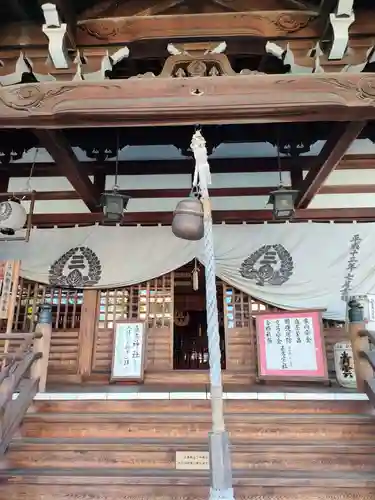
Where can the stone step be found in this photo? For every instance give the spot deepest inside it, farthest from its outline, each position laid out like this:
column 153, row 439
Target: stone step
column 160, row 454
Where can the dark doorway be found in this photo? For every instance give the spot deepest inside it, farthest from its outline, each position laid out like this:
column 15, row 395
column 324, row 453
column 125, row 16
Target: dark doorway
column 190, row 346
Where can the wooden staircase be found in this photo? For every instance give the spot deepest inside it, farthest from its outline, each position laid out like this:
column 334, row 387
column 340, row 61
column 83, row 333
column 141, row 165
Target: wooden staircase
column 125, row 450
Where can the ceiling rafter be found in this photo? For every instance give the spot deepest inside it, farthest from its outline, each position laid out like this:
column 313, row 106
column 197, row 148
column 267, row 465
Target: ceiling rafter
column 58, row 147
column 332, row 153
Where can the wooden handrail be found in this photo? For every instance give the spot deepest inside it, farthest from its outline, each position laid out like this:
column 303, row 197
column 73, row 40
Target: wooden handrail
column 364, row 358
column 12, row 382
column 20, row 336
column 24, row 371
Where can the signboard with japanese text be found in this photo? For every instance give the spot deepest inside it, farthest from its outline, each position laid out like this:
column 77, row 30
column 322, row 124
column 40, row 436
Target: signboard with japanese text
column 192, row 460
column 291, row 346
column 129, row 351
column 8, row 286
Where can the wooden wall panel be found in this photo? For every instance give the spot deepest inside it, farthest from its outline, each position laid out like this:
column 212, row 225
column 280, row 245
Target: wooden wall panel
column 241, row 354
column 63, row 356
column 102, row 352
column 82, row 337
column 159, row 355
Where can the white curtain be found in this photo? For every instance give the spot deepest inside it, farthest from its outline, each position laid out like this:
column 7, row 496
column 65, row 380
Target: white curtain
column 291, row 265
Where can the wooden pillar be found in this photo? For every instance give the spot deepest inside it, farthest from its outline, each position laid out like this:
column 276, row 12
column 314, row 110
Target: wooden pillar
column 360, row 343
column 42, row 345
column 87, row 331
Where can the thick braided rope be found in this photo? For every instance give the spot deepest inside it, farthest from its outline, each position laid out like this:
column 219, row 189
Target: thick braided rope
column 214, row 352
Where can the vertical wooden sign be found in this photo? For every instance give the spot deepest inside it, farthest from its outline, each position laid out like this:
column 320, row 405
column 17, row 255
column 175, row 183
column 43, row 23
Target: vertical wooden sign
column 129, row 348
column 6, row 282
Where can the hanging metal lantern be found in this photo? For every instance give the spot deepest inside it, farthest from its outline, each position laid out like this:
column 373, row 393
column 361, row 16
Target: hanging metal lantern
column 45, row 314
column 114, row 205
column 187, row 221
column 355, row 312
column 282, row 201
column 12, row 216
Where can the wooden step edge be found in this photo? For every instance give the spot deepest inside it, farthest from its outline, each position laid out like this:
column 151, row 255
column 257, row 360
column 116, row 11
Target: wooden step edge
column 174, row 478
column 142, row 444
column 173, row 417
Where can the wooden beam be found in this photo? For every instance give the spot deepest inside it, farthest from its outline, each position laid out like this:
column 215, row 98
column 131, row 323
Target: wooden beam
column 184, row 101
column 68, row 165
column 155, row 167
column 332, row 153
column 219, row 216
column 182, row 193
column 122, row 30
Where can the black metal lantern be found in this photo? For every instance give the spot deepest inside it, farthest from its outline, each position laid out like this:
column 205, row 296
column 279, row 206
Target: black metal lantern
column 282, row 201
column 114, row 205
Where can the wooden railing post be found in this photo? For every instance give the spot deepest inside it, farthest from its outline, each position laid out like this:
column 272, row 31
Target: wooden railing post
column 360, row 343
column 42, row 345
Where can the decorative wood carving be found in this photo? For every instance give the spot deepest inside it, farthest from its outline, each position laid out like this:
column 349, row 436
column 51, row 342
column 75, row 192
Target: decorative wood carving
column 116, row 8
column 226, row 99
column 195, row 60
column 93, row 32
column 254, row 23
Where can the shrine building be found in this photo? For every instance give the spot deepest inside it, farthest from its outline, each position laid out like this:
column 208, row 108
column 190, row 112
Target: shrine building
column 110, row 110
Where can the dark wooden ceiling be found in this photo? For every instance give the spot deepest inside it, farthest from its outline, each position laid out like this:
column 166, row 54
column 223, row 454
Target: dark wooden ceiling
column 30, row 10
column 294, row 139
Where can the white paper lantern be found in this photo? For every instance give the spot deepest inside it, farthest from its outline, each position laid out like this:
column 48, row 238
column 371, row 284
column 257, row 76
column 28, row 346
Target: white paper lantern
column 12, row 216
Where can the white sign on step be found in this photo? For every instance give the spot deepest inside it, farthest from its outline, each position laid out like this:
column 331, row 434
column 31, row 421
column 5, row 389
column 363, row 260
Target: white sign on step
column 192, row 460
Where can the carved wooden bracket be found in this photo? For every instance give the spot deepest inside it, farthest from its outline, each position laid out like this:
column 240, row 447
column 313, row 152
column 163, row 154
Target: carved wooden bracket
column 197, row 60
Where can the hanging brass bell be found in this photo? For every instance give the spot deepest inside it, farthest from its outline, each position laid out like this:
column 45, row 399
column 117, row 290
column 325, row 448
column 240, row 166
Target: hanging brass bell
column 187, row 222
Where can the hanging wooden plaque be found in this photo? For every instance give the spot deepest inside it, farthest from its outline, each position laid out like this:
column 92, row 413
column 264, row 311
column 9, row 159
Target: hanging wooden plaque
column 9, row 274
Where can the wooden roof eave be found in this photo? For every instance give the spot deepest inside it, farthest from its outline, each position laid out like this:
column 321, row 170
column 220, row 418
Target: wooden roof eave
column 206, row 100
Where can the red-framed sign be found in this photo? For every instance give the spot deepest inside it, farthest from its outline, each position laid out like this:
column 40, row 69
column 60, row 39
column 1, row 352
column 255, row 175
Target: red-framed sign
column 291, row 346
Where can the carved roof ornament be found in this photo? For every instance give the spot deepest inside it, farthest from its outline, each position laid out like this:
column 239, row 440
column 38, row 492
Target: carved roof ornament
column 340, row 22
column 189, row 60
column 106, row 66
column 23, row 66
column 317, row 62
column 57, row 33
